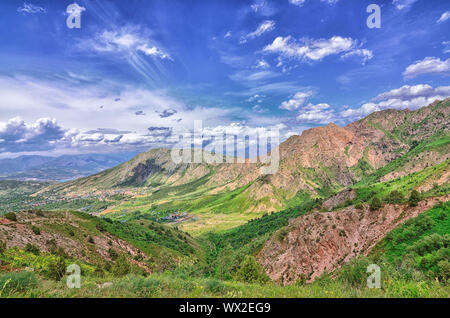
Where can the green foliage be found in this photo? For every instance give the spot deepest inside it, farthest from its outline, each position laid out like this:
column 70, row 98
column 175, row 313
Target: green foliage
column 121, row 267
column 251, row 272
column 375, row 204
column 414, row 198
column 36, row 230
column 394, row 196
column 57, row 269
column 17, row 281
column 32, row 249
column 2, row 247
column 113, row 254
column 11, row 216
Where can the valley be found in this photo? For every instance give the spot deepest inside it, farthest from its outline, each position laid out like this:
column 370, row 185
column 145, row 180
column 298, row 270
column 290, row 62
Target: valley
column 373, row 192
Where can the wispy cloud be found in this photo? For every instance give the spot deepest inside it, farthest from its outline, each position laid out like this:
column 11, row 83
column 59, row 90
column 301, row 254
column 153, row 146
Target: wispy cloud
column 444, row 17
column 315, row 49
column 403, row 4
column 264, row 27
column 29, row 8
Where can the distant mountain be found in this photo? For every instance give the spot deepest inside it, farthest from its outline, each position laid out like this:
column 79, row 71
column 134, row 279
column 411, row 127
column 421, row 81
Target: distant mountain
column 321, row 161
column 63, row 168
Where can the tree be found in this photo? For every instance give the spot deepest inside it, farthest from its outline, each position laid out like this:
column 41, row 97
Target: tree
column 375, row 204
column 414, row 198
column 251, row 272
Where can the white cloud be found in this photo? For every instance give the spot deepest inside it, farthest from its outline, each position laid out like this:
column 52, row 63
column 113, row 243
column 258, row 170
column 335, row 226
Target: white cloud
column 317, row 114
column 314, row 50
column 299, row 3
column 132, row 44
column 444, row 17
column 403, row 4
column 446, row 45
column 364, row 53
column 30, row 9
column 262, row 64
column 429, row 65
column 297, row 101
column 264, row 27
column 411, row 97
column 227, row 35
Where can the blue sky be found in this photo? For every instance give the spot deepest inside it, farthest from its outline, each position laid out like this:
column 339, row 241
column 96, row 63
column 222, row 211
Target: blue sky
column 138, row 73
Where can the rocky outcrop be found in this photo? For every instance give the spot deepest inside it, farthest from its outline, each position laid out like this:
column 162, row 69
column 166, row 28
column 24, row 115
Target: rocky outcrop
column 320, row 242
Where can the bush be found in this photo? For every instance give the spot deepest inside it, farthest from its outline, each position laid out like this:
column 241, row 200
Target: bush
column 121, row 267
column 36, row 230
column 359, row 206
column 414, row 198
column 57, row 269
column 251, row 272
column 99, row 227
column 2, row 247
column 17, row 281
column 375, row 204
column 215, row 286
column 32, row 249
column 394, row 197
column 91, row 240
column 113, row 254
column 11, row 216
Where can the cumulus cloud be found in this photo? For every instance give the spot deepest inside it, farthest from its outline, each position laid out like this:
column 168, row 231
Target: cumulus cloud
column 29, row 8
column 411, row 97
column 316, row 114
column 264, row 27
column 299, row 100
column 18, row 136
column 314, row 49
column 429, row 65
column 444, row 17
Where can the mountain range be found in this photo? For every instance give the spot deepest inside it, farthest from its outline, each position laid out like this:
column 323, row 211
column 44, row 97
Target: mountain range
column 321, row 161
column 62, row 168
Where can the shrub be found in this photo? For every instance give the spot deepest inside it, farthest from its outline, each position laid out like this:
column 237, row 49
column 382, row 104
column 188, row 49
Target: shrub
column 11, row 216
column 71, row 232
column 113, row 254
column 121, row 267
column 215, row 286
column 394, row 197
column 251, row 272
column 2, row 247
column 100, row 227
column 375, row 204
column 91, row 240
column 359, row 206
column 414, row 198
column 36, row 230
column 32, row 249
column 57, row 269
column 17, row 281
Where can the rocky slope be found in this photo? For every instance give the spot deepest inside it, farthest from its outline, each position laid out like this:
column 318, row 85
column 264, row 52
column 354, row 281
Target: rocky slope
column 320, row 160
column 318, row 242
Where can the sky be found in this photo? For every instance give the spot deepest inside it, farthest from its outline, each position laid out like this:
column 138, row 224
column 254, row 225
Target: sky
column 137, row 74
